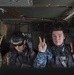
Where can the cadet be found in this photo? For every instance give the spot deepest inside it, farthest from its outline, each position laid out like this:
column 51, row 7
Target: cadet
column 56, row 56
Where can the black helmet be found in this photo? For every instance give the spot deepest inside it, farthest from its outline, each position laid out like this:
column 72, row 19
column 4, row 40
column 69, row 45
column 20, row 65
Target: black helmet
column 17, row 36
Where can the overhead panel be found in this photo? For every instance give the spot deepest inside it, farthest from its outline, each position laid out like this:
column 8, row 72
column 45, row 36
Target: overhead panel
column 17, row 3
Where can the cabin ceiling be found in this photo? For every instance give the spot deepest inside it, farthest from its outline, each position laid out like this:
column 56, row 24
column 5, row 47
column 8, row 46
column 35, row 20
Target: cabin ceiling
column 33, row 10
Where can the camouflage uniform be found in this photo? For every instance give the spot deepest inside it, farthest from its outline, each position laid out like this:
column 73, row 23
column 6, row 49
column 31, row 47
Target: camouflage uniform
column 51, row 58
column 41, row 59
column 20, row 59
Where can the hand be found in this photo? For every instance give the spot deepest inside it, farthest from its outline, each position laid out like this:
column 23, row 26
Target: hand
column 42, row 45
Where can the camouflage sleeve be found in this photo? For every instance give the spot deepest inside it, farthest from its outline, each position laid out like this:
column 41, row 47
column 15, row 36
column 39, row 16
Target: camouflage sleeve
column 12, row 60
column 41, row 59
